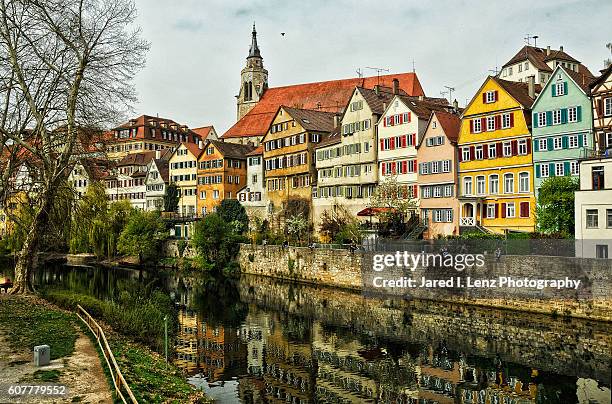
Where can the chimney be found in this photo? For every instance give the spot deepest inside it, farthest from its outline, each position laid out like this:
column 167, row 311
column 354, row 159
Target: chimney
column 157, row 154
column 377, row 89
column 455, row 105
column 395, row 86
column 336, row 120
column 531, row 86
column 384, row 106
column 421, row 97
column 200, row 144
column 548, row 50
column 561, row 48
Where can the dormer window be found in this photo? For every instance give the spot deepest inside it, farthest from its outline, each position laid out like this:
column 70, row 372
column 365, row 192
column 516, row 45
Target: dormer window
column 560, row 88
column 490, row 97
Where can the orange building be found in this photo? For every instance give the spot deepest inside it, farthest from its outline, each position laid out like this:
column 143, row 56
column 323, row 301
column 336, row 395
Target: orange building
column 221, row 173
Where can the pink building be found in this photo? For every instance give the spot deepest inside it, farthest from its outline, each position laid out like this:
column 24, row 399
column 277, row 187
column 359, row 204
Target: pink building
column 437, row 175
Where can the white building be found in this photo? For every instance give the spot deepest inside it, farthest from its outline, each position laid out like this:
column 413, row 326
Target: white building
column 157, row 179
column 253, row 196
column 593, row 209
column 129, row 179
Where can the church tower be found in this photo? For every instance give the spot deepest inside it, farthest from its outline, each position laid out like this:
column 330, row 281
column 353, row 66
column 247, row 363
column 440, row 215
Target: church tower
column 253, row 79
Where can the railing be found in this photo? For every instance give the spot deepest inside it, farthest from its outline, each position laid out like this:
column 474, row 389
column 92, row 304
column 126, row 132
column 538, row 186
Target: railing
column 116, row 375
column 467, row 221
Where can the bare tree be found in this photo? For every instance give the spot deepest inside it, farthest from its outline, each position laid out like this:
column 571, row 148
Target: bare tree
column 65, row 65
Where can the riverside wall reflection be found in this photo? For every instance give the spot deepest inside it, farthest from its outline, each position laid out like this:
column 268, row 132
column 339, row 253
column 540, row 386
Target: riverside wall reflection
column 284, row 342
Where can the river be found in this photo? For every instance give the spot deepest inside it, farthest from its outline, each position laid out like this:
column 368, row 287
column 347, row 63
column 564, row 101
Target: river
column 259, row 340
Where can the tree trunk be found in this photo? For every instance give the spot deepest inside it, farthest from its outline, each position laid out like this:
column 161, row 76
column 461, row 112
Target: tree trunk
column 27, row 256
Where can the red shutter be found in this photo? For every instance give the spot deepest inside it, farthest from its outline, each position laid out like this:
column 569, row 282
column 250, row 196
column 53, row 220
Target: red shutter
column 485, row 151
column 414, row 166
column 524, row 209
column 496, row 210
column 413, row 139
column 503, row 210
column 512, row 119
column 460, row 155
column 599, row 108
column 471, row 126
column 414, row 191
column 392, row 142
column 496, row 95
column 382, row 168
column 409, row 116
column 404, row 140
column 483, row 124
column 471, row 152
column 514, row 148
column 394, row 167
column 497, row 122
column 382, row 144
column 499, row 150
column 484, row 98
column 400, row 118
column 528, row 146
column 385, row 121
column 404, row 167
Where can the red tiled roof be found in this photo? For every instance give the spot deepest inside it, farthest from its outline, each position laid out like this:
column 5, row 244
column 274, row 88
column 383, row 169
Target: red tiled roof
column 330, row 96
column 193, row 149
column 203, row 131
column 539, row 57
column 256, row 152
column 143, row 125
column 520, row 91
column 451, row 123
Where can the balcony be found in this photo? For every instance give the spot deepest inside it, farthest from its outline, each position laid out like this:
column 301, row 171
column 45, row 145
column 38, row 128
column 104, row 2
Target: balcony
column 467, row 221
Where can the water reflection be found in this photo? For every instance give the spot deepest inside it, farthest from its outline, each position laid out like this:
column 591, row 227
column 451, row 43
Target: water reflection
column 263, row 341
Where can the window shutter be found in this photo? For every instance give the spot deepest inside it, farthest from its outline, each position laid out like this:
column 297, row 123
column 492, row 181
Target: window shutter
column 484, row 98
column 514, row 147
column 548, row 118
column 383, row 168
column 415, row 191
column 496, row 97
column 392, row 143
column 549, row 143
column 528, row 146
column 400, row 118
column 535, row 120
column 599, row 108
column 394, row 167
column 564, row 115
column 382, row 144
column 551, row 169
column 483, row 124
column 524, row 209
column 471, row 126
column 565, row 87
column 564, row 142
column 537, row 168
column 497, row 122
column 496, row 210
column 554, row 89
column 579, row 113
column 566, row 168
column 471, row 152
column 460, row 155
column 485, row 151
column 404, row 141
column 512, row 119
column 580, row 139
column 536, row 145
column 414, row 164
column 498, row 150
column 413, row 139
column 503, row 210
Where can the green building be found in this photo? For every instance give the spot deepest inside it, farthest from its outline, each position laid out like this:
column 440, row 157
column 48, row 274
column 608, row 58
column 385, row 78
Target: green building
column 562, row 127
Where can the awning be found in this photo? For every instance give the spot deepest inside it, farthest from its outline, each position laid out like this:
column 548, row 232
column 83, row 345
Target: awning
column 374, row 211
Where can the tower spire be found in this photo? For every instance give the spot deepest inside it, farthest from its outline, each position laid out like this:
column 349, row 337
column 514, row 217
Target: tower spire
column 254, row 50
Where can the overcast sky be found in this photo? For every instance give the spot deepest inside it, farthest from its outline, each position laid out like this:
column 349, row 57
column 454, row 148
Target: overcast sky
column 198, row 47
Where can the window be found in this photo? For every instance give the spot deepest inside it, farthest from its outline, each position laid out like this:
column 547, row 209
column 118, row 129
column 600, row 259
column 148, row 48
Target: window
column 542, row 145
column 492, row 151
column 601, row 251
column 505, row 121
column 490, row 211
column 507, row 149
column 559, row 170
column 560, row 87
column 490, row 123
column 508, row 183
column 437, row 191
column 465, row 154
column 494, row 184
column 446, row 166
column 489, row 97
column 480, row 185
column 435, row 167
column 544, row 170
column 557, row 143
column 524, row 182
column 597, row 175
column 477, row 125
column 608, row 106
column 574, row 168
column 541, row 119
column 448, row 191
column 592, row 219
column 572, row 141
column 478, row 153
column 426, row 192
column 609, row 218
column 215, row 194
column 522, row 147
column 467, row 186
column 572, row 114
column 608, row 140
column 510, row 210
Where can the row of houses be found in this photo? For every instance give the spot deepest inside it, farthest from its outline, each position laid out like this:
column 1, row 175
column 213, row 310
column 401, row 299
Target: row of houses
column 310, row 148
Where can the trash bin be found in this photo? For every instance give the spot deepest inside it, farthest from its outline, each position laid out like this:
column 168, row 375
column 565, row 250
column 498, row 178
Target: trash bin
column 42, row 355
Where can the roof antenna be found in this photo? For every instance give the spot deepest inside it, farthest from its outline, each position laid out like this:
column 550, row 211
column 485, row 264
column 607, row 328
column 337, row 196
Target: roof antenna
column 528, row 39
column 359, row 72
column 413, row 69
column 450, row 92
column 378, row 70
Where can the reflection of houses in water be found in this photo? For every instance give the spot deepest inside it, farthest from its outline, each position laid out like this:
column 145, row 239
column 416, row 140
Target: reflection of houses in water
column 206, row 349
column 254, row 333
column 349, row 372
column 289, row 369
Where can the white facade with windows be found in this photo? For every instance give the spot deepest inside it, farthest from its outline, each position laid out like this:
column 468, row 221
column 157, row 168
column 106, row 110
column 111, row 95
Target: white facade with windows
column 253, row 196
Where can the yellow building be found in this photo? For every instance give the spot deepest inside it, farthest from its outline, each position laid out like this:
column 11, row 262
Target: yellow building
column 495, row 159
column 184, row 173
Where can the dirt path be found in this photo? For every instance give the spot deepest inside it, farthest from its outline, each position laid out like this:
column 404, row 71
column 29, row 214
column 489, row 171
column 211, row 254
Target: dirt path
column 81, row 373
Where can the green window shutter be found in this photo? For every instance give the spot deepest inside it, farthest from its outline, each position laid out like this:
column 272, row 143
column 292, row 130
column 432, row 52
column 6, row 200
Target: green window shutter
column 565, row 87
column 535, row 120
column 564, row 115
column 565, row 142
column 537, row 167
column 549, row 143
column 566, row 168
column 536, row 145
column 548, row 118
column 579, row 113
column 580, row 140
column 551, row 169
column 554, row 89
